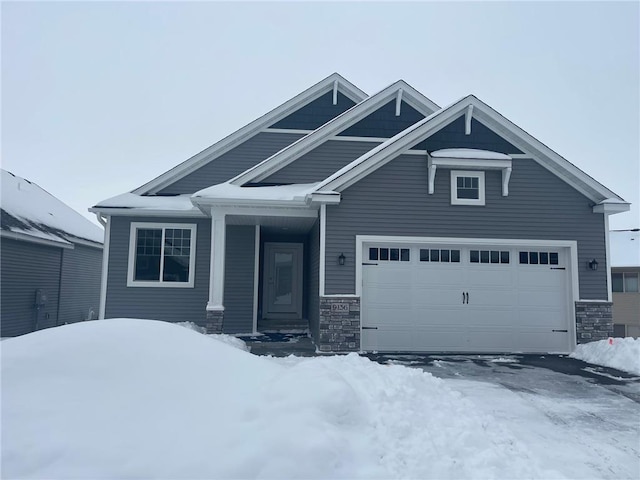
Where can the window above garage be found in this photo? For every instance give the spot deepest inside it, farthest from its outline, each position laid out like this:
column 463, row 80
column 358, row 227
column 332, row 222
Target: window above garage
column 467, row 186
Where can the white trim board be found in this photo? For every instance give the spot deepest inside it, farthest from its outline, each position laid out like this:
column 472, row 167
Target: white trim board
column 573, row 295
column 24, row 237
column 104, row 278
column 134, row 226
column 332, row 128
column 252, row 129
column 256, row 278
column 571, row 244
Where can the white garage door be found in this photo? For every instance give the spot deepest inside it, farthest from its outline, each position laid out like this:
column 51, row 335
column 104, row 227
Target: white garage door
column 465, row 298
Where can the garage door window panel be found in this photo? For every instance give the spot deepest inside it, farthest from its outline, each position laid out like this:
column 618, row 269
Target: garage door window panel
column 538, row 258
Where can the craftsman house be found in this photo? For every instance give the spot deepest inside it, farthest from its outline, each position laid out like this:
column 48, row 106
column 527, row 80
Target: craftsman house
column 381, row 223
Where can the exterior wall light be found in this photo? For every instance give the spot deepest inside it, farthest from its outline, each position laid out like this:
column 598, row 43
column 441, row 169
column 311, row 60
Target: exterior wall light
column 341, row 259
column 593, row 264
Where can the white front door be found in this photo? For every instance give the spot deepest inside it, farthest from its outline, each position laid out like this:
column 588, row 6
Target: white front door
column 282, row 280
column 465, row 298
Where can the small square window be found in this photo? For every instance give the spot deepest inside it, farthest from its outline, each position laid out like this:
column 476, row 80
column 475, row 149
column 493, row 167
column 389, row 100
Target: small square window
column 424, row 255
column 395, row 254
column 373, row 254
column 553, row 258
column 495, row 256
column 435, row 255
column 444, row 255
column 524, row 257
column 467, row 188
column 504, row 257
column 474, row 256
column 455, row 256
column 533, row 258
column 384, row 254
column 404, row 255
column 544, row 258
column 484, row 256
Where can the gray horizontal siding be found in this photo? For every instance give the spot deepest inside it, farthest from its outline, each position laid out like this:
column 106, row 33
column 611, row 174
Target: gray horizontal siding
column 169, row 304
column 24, row 268
column 232, row 163
column 321, row 162
column 393, row 200
column 384, row 123
column 80, row 284
column 453, row 136
column 316, row 113
column 313, row 274
column 238, row 284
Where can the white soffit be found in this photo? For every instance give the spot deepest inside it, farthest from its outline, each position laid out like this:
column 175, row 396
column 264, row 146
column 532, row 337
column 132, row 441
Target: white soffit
column 253, row 128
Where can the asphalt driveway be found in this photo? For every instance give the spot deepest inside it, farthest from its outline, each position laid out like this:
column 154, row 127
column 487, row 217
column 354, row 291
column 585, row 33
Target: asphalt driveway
column 564, row 409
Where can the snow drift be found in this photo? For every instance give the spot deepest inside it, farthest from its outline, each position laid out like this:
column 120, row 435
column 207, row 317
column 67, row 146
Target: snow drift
column 620, row 353
column 126, row 398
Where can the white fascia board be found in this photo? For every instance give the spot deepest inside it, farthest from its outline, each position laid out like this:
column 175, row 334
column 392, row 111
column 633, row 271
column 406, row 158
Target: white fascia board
column 469, row 163
column 145, row 212
column 24, row 237
column 252, row 129
column 329, row 198
column 611, row 208
column 248, row 202
column 554, row 162
column 417, row 100
column 266, row 211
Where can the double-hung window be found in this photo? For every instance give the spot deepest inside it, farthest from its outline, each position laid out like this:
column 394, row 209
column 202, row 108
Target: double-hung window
column 161, row 254
column 467, row 187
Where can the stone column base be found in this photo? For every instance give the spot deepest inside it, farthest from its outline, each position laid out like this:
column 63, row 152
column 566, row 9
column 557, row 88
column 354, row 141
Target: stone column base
column 594, row 321
column 215, row 320
column 339, row 324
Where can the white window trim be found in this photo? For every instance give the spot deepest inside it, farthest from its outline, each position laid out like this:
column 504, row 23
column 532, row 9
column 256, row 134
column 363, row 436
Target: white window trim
column 454, row 188
column 160, row 283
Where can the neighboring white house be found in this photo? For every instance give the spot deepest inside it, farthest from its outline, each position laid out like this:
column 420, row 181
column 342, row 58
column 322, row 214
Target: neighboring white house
column 625, row 273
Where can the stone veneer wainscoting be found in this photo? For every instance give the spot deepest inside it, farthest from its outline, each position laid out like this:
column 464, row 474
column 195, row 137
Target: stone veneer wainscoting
column 215, row 319
column 339, row 324
column 594, row 321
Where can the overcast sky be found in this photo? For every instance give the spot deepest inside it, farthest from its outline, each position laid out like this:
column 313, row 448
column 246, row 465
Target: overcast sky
column 99, row 98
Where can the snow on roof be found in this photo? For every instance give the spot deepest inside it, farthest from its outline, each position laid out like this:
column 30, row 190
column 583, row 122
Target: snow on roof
column 148, row 202
column 227, row 191
column 30, row 210
column 469, row 153
column 625, row 248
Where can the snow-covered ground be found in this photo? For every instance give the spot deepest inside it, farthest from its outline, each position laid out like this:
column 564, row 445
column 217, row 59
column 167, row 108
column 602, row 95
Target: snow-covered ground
column 620, row 353
column 144, row 399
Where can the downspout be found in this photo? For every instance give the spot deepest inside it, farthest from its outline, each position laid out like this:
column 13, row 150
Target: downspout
column 106, row 223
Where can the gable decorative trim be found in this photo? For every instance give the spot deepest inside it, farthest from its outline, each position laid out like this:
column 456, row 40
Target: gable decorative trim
column 288, row 155
column 402, row 142
column 253, row 128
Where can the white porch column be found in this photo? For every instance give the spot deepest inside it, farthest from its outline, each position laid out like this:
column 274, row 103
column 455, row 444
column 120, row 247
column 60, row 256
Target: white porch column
column 216, row 270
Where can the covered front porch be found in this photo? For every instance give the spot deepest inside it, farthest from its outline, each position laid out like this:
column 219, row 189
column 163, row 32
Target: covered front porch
column 265, row 260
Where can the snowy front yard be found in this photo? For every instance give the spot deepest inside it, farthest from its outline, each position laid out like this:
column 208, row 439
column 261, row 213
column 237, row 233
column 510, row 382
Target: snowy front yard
column 134, row 398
